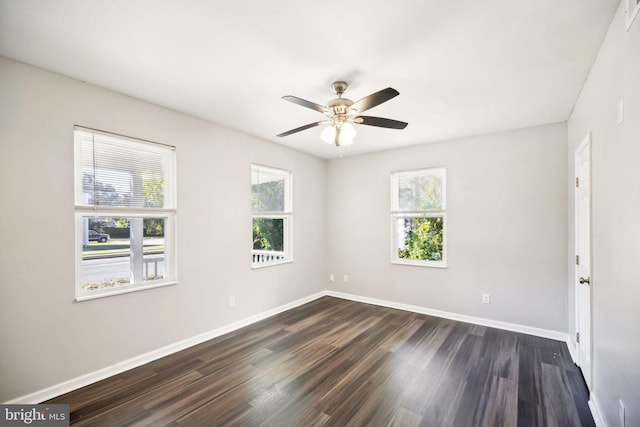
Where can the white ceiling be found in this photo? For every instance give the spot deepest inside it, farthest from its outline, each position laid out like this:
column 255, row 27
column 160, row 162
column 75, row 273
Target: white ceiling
column 462, row 67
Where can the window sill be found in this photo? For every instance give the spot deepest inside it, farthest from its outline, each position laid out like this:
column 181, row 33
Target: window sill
column 419, row 264
column 270, row 264
column 109, row 293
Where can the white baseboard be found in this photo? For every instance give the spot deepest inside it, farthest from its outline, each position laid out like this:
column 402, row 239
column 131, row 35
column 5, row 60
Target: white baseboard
column 594, row 407
column 571, row 345
column 100, row 374
column 596, row 413
column 514, row 327
column 90, row 378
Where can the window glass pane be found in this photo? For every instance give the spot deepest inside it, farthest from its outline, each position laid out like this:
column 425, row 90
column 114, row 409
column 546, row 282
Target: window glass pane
column 113, row 256
column 268, row 240
column 267, row 190
column 420, row 191
column 268, row 234
column 419, row 238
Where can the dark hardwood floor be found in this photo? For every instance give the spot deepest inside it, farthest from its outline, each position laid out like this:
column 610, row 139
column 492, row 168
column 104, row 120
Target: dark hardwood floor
column 334, row 362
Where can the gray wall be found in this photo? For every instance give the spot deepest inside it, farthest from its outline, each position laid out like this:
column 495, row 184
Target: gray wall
column 615, row 217
column 506, row 227
column 46, row 338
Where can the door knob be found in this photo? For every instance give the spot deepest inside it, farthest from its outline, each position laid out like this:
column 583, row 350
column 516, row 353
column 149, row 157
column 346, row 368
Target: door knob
column 583, row 281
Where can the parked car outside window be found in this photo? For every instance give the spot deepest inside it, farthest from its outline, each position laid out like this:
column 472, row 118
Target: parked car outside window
column 94, row 236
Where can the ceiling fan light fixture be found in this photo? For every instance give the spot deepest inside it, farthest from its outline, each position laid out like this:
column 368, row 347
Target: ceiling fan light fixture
column 339, row 135
column 328, row 134
column 344, row 142
column 347, row 132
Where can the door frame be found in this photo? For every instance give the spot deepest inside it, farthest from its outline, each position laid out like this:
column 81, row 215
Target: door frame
column 587, row 373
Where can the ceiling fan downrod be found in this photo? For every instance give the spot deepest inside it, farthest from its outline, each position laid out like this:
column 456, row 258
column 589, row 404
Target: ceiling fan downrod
column 339, row 106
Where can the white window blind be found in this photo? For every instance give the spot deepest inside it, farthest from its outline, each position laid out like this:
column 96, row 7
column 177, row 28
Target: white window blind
column 120, row 172
column 270, row 189
column 421, row 190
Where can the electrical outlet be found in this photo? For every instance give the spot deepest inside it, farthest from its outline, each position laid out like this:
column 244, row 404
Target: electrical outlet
column 345, row 278
column 332, row 278
column 232, row 301
column 621, row 412
column 486, row 298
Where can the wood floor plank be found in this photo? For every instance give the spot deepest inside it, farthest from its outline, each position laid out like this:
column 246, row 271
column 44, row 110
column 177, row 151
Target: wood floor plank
column 404, row 418
column 468, row 357
column 503, row 351
column 85, row 396
column 559, row 408
column 401, row 334
column 126, row 396
column 501, row 406
column 134, row 409
column 443, row 407
column 473, row 401
column 421, row 347
column 334, row 362
column 419, row 394
column 529, row 374
column 529, row 414
column 580, row 394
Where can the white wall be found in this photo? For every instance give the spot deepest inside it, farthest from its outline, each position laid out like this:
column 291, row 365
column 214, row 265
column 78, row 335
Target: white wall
column 46, row 338
column 615, row 218
column 506, row 227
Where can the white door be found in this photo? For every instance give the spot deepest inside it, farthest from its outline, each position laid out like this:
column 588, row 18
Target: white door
column 583, row 284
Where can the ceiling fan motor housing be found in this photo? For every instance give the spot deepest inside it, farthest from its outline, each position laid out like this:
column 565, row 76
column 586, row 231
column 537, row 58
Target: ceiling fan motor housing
column 339, row 106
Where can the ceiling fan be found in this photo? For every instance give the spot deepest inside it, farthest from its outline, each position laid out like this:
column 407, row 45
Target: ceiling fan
column 343, row 112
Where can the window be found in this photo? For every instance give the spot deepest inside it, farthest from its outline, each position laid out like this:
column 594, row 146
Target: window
column 418, row 217
column 272, row 216
column 125, row 209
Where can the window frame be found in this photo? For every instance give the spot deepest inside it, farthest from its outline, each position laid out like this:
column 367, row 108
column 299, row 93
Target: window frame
column 87, row 210
column 286, row 215
column 632, row 10
column 399, row 213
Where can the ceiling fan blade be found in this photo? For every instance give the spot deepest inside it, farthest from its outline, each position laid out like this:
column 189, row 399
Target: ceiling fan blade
column 301, row 128
column 306, row 103
column 380, row 122
column 375, row 99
